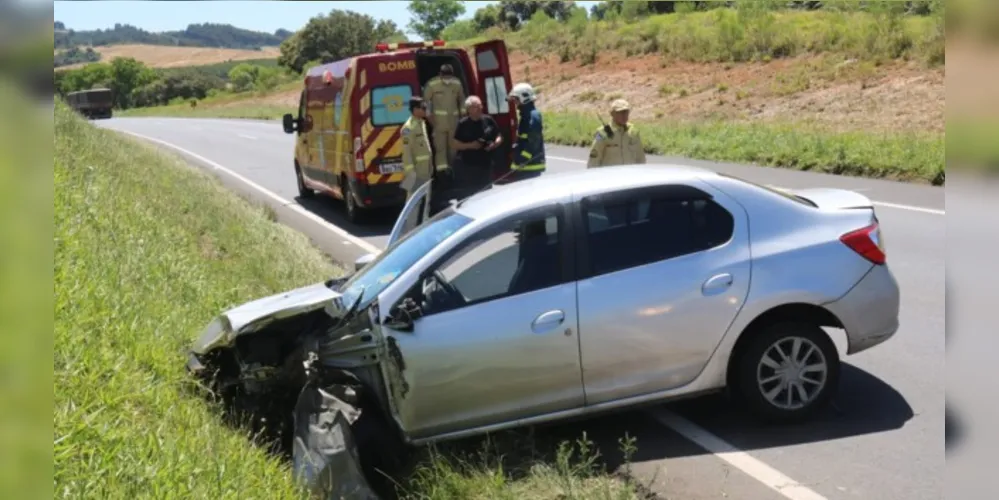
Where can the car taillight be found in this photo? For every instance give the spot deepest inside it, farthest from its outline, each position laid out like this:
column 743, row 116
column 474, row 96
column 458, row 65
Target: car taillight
column 358, row 156
column 867, row 242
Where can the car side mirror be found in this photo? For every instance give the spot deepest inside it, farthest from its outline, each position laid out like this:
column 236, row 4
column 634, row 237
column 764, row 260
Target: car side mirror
column 290, row 123
column 402, row 316
column 363, row 261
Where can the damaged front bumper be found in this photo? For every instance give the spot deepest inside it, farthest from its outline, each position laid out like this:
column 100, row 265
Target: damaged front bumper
column 308, row 342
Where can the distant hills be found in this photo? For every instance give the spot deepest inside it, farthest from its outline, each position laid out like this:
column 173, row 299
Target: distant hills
column 196, row 35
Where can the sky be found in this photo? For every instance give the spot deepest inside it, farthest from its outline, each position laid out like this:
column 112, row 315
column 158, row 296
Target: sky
column 265, row 16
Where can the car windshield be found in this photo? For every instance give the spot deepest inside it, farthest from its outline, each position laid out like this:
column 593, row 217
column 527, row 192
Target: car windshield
column 401, row 255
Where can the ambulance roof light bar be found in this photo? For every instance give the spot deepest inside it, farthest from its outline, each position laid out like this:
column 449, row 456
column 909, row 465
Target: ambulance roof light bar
column 384, row 47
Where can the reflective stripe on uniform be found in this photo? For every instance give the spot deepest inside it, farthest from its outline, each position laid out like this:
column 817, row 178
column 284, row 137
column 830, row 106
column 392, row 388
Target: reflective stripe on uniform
column 529, row 168
column 523, row 136
column 441, row 112
column 526, row 154
column 407, row 167
column 422, row 157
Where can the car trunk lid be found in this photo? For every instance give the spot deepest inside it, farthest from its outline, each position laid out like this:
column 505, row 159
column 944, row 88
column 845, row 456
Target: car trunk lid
column 833, row 199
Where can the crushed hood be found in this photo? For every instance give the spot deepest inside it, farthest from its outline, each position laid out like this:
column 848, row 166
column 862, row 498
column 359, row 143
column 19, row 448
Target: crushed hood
column 254, row 315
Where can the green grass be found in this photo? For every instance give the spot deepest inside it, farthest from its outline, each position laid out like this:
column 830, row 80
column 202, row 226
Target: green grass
column 147, row 250
column 737, row 35
column 908, row 157
column 904, row 157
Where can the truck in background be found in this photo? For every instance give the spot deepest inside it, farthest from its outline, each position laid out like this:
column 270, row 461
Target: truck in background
column 93, row 103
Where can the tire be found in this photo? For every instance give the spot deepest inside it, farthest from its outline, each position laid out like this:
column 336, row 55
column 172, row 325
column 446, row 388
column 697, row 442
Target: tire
column 355, row 213
column 750, row 370
column 303, row 190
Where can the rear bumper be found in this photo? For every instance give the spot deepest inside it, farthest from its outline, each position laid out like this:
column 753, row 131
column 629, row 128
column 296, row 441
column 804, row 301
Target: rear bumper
column 378, row 195
column 869, row 311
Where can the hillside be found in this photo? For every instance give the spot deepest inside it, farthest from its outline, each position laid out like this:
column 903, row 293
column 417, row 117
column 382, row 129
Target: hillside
column 160, row 56
column 856, row 90
column 195, row 35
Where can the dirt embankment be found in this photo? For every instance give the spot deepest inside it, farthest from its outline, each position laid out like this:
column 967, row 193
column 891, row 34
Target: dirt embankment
column 835, row 93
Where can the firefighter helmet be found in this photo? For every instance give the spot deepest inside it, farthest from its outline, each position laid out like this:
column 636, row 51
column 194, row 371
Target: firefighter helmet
column 523, row 92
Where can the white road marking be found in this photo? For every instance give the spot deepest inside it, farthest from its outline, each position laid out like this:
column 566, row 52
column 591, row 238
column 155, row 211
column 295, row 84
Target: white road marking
column 250, row 137
column 270, row 194
column 878, row 203
column 739, row 459
column 754, row 468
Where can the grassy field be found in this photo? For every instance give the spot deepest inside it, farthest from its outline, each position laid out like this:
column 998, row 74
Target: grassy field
column 163, row 56
column 747, row 33
column 147, row 250
column 905, row 157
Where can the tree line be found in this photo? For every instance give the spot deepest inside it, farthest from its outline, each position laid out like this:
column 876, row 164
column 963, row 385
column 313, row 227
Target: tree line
column 133, row 84
column 195, row 35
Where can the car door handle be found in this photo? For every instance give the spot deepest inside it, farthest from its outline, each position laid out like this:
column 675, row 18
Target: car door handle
column 716, row 284
column 548, row 321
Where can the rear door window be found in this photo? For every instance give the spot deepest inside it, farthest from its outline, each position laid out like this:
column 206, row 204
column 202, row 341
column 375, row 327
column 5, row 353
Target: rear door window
column 630, row 231
column 496, row 102
column 390, row 105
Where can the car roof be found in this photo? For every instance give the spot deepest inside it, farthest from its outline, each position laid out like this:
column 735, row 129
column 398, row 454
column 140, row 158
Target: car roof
column 529, row 193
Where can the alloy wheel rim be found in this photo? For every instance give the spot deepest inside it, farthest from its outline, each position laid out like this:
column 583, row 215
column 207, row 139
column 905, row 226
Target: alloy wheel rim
column 350, row 201
column 792, row 373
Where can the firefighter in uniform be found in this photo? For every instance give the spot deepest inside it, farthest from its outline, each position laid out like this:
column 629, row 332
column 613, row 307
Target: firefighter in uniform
column 618, row 143
column 445, row 97
column 529, row 151
column 416, row 158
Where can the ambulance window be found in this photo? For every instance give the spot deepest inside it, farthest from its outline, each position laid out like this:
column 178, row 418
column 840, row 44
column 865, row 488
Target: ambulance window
column 487, row 61
column 390, row 105
column 496, row 95
column 337, row 109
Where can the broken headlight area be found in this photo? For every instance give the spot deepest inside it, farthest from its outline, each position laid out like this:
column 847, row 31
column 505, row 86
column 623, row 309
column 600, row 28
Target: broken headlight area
column 312, row 383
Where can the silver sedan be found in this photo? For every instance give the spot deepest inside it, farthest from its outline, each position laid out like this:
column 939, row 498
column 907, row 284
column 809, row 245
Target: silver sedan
column 580, row 292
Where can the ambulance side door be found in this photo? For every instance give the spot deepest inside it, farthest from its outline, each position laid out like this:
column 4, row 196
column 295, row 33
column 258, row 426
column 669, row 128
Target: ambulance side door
column 493, row 66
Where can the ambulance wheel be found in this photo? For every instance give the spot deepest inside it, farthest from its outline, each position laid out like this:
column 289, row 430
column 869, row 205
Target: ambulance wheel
column 355, row 213
column 303, row 190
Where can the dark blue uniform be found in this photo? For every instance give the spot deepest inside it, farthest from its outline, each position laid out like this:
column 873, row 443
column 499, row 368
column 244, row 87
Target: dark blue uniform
column 529, row 152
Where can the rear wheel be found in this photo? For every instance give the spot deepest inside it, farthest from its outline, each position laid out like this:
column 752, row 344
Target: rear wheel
column 355, row 214
column 787, row 372
column 303, row 190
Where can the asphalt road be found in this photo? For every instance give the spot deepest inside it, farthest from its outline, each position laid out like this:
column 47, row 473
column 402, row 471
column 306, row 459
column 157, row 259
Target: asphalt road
column 882, row 439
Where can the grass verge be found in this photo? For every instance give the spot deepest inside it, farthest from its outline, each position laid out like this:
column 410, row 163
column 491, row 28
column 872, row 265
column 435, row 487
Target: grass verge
column 147, row 249
column 904, row 157
column 908, row 157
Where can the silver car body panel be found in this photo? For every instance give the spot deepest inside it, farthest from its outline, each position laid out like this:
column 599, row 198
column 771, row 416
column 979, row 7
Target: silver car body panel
column 663, row 320
column 869, row 311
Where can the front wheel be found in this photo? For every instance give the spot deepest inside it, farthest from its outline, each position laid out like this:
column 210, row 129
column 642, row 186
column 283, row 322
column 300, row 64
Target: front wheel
column 787, row 372
column 303, row 190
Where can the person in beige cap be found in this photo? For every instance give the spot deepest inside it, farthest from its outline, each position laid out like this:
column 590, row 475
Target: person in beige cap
column 618, row 143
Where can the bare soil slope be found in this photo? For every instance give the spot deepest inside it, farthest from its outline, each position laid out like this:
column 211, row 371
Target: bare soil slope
column 162, row 56
column 825, row 90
